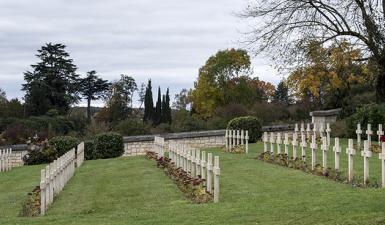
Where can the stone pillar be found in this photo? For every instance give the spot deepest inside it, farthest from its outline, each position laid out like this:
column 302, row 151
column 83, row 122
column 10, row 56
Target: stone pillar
column 358, row 132
column 325, row 149
column 351, row 152
column 217, row 172
column 366, row 154
column 380, row 132
column 328, row 131
column 369, row 133
column 313, row 147
column 382, row 157
column 337, row 151
column 286, row 143
column 279, row 141
column 295, row 144
column 209, row 172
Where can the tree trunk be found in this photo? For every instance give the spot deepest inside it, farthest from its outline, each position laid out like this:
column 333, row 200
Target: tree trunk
column 380, row 84
column 89, row 109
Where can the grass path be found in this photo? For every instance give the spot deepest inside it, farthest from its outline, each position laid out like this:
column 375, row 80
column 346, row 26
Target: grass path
column 133, row 191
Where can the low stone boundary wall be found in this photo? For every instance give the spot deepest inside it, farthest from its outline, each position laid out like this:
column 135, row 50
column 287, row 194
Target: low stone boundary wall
column 138, row 145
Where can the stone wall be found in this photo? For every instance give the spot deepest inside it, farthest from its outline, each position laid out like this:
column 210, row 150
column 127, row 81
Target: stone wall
column 138, row 145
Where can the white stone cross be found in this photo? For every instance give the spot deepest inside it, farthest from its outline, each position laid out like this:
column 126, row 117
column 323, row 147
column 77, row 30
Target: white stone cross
column 369, row 132
column 279, row 142
column 302, row 128
column 337, row 151
column 227, row 139
column 351, row 152
column 328, row 131
column 286, row 143
column 265, row 140
column 295, row 144
column 315, row 130
column 325, row 149
column 359, row 132
column 242, row 137
column 380, row 132
column 238, row 138
column 217, row 172
column 203, row 165
column 382, row 157
column 313, row 147
column 193, row 164
column 303, row 146
column 209, row 172
column 272, row 143
column 366, row 154
column 230, row 135
column 198, row 162
column 308, row 130
column 247, row 141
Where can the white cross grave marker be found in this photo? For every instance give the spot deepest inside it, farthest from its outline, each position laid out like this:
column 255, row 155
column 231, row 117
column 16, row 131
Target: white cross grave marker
column 315, row 130
column 313, row 147
column 230, row 140
column 382, row 157
column 286, row 143
column 247, row 141
column 358, row 132
column 279, row 142
column 328, row 131
column 303, row 146
column 337, row 151
column 351, row 152
column 272, row 143
column 295, row 144
column 325, row 149
column 380, row 132
column 366, row 154
column 242, row 137
column 227, row 139
column 265, row 140
column 369, row 132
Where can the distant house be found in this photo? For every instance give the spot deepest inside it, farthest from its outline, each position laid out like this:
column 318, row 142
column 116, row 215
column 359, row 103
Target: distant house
column 324, row 116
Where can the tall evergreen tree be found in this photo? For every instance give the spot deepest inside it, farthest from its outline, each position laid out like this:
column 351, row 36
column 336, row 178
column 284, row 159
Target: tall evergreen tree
column 53, row 82
column 168, row 117
column 148, row 103
column 281, row 94
column 157, row 119
column 93, row 88
column 164, row 110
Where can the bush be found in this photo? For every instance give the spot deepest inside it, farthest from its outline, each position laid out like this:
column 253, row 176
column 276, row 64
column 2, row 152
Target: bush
column 250, row 123
column 39, row 153
column 63, row 144
column 371, row 113
column 131, row 127
column 108, row 145
column 89, row 147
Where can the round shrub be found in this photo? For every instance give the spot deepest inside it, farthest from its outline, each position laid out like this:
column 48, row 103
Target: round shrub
column 250, row 123
column 108, row 145
column 63, row 144
column 89, row 147
column 371, row 113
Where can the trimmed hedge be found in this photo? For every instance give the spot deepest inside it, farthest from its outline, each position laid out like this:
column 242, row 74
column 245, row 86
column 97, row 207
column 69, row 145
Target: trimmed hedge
column 63, row 144
column 108, row 145
column 250, row 123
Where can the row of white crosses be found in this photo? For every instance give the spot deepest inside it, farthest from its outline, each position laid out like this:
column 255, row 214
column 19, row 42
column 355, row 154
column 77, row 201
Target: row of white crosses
column 321, row 131
column 5, row 160
column 56, row 175
column 237, row 137
column 369, row 134
column 158, row 147
column 194, row 161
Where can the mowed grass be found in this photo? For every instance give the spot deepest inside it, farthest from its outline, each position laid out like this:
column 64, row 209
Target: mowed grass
column 133, row 191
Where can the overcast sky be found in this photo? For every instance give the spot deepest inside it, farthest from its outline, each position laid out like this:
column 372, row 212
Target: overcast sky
column 165, row 40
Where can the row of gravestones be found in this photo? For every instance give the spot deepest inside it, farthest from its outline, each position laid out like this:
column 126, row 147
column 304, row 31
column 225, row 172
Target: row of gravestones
column 350, row 150
column 5, row 160
column 235, row 138
column 193, row 162
column 56, row 175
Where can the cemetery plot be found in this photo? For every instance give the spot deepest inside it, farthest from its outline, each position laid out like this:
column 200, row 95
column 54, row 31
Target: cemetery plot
column 237, row 141
column 357, row 166
column 195, row 172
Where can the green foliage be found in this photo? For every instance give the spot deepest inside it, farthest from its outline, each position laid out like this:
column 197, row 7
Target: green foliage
column 89, row 147
column 157, row 116
column 108, row 145
column 53, row 83
column 339, row 129
column 371, row 113
column 148, row 103
column 131, row 127
column 63, row 144
column 250, row 123
column 281, row 94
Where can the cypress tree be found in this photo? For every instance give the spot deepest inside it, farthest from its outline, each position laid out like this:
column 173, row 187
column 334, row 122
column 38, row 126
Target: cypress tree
column 164, row 110
column 148, row 104
column 168, row 117
column 158, row 110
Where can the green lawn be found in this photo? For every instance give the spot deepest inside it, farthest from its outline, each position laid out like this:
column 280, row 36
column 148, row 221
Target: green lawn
column 133, row 191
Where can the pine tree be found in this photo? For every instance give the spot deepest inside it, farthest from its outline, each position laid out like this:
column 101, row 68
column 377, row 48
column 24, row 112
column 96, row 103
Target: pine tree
column 281, row 94
column 148, row 104
column 158, row 110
